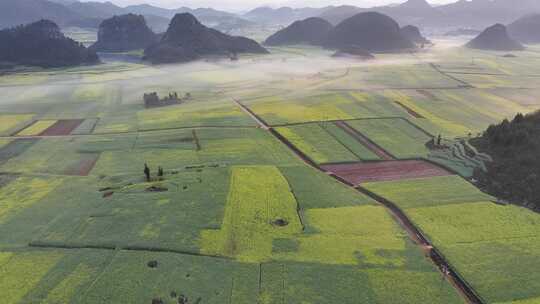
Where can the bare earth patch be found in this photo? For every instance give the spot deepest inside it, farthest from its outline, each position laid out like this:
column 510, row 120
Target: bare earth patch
column 358, row 173
column 62, row 127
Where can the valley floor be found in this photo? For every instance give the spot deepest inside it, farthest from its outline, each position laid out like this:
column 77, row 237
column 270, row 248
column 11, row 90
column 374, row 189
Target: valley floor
column 288, row 178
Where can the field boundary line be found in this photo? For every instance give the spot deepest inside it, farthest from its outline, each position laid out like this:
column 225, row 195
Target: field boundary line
column 476, row 73
column 298, row 208
column 418, row 127
column 109, row 263
column 464, row 83
column 333, row 120
column 129, row 132
column 366, row 141
column 124, row 248
column 411, row 112
column 291, row 146
column 20, row 127
column 98, row 119
column 322, row 125
column 262, row 124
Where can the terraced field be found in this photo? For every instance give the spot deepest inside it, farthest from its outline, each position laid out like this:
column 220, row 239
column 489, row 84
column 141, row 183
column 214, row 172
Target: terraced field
column 258, row 210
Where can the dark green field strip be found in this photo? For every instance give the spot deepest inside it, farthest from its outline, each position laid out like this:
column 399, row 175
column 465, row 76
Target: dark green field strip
column 133, row 217
column 86, row 127
column 5, row 179
column 373, row 148
column 502, row 271
column 351, row 142
column 314, row 189
column 397, row 136
column 15, row 148
column 286, row 282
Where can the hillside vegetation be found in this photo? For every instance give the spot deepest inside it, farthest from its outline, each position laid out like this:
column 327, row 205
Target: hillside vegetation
column 42, row 44
column 514, row 175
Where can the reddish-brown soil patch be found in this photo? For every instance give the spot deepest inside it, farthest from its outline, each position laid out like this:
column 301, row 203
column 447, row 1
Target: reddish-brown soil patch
column 380, row 152
column 409, row 110
column 62, row 127
column 84, row 166
column 359, row 173
column 428, row 94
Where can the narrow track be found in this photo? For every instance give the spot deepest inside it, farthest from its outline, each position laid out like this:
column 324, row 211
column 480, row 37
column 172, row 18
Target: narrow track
column 463, row 83
column 262, row 124
column 414, row 232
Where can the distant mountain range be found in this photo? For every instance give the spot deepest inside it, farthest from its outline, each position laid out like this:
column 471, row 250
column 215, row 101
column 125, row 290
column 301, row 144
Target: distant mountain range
column 90, row 14
column 461, row 14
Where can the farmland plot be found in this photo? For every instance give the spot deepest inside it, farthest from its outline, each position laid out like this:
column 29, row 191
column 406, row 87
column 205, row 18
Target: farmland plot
column 10, row 122
column 353, row 246
column 253, row 218
column 281, row 110
column 49, row 198
column 22, row 193
column 318, row 144
column 200, row 279
column 37, row 128
column 194, row 113
column 51, row 155
column 177, row 149
column 358, row 173
column 166, row 215
column 393, row 75
column 457, row 112
column 426, row 192
column 397, row 136
column 491, row 246
column 314, row 189
column 49, row 276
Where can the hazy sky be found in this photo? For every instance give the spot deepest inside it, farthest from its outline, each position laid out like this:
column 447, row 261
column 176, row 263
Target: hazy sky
column 249, row 4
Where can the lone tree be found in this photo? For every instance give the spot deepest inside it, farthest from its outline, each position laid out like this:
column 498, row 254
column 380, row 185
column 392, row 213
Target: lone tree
column 147, row 172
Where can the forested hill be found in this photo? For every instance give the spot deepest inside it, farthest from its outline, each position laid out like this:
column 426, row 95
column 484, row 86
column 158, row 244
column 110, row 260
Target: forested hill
column 514, row 174
column 42, row 44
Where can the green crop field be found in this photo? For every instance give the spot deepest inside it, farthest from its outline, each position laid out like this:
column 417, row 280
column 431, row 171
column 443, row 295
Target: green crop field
column 250, row 219
column 478, row 237
column 237, row 217
column 426, row 192
column 397, row 136
column 321, row 145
